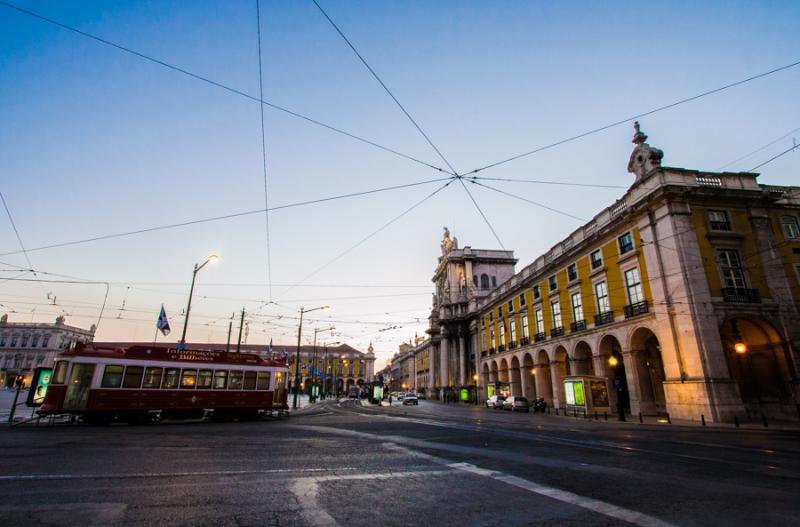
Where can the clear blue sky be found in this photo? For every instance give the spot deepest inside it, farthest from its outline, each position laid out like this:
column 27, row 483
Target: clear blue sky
column 95, row 141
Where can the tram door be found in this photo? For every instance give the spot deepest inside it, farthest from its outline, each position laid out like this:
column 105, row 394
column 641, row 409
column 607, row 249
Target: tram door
column 80, row 380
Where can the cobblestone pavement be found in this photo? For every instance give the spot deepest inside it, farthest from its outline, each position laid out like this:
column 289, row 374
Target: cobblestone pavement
column 341, row 463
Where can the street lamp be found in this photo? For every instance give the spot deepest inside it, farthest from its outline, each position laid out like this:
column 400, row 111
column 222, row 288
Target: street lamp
column 314, row 361
column 297, row 356
column 212, row 258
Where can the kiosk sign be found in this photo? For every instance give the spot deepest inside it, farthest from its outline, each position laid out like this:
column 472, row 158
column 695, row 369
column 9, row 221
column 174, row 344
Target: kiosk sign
column 39, row 383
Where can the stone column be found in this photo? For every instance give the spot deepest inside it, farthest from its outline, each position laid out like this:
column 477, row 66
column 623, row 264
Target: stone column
column 462, row 360
column 444, row 355
column 632, row 377
column 431, row 367
column 558, row 385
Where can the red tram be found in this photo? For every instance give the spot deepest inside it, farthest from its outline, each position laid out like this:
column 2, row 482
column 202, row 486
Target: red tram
column 139, row 383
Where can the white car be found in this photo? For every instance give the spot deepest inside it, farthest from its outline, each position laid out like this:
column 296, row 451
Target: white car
column 495, row 401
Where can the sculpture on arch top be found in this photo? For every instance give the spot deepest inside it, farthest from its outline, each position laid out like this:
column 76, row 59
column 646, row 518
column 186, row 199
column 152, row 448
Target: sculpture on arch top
column 644, row 157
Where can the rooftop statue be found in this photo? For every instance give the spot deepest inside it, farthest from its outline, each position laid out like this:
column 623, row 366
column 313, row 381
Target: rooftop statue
column 644, row 157
column 448, row 244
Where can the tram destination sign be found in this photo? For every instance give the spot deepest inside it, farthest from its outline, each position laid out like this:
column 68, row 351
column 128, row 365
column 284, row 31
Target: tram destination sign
column 192, row 355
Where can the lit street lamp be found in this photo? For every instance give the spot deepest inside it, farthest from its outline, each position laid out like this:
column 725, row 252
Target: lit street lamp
column 212, row 258
column 297, row 357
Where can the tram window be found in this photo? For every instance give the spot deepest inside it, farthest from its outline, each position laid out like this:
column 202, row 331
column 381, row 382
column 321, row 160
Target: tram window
column 249, row 380
column 133, row 377
column 171, row 378
column 204, row 379
column 60, row 373
column 112, row 376
column 152, row 378
column 220, row 379
column 235, row 382
column 263, row 380
column 189, row 379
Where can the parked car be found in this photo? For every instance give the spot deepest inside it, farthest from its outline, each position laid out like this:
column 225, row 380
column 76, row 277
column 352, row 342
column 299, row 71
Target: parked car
column 517, row 404
column 410, row 398
column 421, row 397
column 401, row 396
column 495, row 401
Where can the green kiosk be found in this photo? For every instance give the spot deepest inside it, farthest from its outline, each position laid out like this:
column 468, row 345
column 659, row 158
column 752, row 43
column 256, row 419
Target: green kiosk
column 586, row 394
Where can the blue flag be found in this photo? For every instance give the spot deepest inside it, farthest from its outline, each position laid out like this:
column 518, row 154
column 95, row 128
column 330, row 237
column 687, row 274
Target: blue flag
column 163, row 322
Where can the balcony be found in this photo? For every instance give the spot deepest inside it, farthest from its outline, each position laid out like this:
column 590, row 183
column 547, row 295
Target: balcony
column 604, row 318
column 539, row 337
column 491, row 351
column 741, row 295
column 512, row 344
column 720, row 225
column 639, row 308
column 524, row 341
column 580, row 325
column 501, row 348
column 557, row 332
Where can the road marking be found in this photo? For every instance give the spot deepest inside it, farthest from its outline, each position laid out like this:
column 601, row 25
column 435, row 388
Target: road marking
column 307, row 490
column 594, row 505
column 140, row 475
column 602, row 507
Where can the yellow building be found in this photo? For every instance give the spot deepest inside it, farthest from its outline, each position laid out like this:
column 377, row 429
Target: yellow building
column 683, row 295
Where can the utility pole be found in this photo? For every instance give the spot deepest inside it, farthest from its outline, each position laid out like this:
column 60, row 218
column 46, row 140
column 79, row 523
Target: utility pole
column 230, row 327
column 239, row 342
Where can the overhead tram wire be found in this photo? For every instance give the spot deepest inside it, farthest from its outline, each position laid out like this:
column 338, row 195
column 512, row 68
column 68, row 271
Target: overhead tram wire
column 386, row 88
column 635, row 117
column 757, row 150
column 263, row 150
column 485, row 219
column 220, row 85
column 381, row 228
column 542, row 182
column 773, row 158
column 413, row 121
column 16, row 232
column 557, row 211
column 227, row 216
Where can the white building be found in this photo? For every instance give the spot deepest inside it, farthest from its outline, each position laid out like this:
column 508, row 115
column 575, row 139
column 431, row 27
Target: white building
column 25, row 346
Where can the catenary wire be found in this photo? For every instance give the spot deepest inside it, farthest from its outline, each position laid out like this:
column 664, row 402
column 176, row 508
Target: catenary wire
column 773, row 158
column 543, row 182
column 16, row 232
column 525, row 200
column 263, row 150
column 226, row 216
column 385, row 88
column 637, row 116
column 218, row 84
column 381, row 228
column 757, row 150
column 485, row 219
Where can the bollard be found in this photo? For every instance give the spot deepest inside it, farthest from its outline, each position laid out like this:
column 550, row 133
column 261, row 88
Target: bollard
column 548, row 410
column 556, row 410
column 575, row 412
column 798, row 409
column 605, row 416
column 640, row 418
column 735, row 421
column 595, row 415
column 764, row 420
column 703, row 419
column 669, row 419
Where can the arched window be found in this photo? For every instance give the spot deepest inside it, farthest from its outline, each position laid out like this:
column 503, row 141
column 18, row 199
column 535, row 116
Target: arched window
column 475, row 280
column 484, row 281
column 494, row 281
column 790, row 228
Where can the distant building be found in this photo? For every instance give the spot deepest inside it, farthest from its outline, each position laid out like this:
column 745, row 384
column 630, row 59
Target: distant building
column 25, row 346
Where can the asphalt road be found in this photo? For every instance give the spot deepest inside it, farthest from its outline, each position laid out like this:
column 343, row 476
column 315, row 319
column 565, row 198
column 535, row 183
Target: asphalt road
column 439, row 465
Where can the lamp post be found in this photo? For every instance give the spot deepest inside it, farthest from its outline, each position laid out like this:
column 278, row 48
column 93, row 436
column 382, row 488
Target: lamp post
column 212, row 258
column 297, row 356
column 314, row 361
